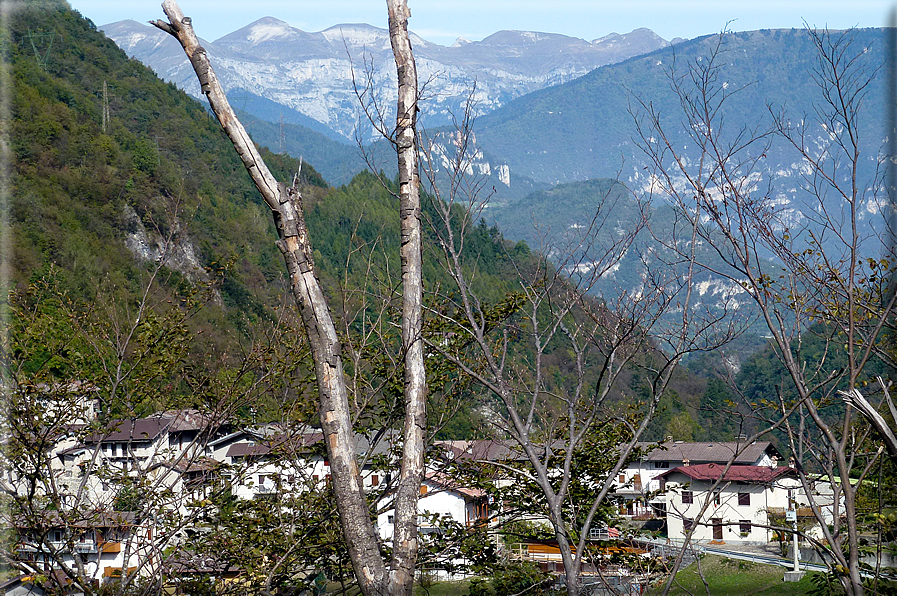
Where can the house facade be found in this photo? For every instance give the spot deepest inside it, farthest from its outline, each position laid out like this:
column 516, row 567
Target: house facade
column 106, row 545
column 726, row 505
column 638, row 486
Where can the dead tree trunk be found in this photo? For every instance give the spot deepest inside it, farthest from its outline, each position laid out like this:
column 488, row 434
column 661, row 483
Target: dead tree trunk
column 405, row 536
column 286, row 206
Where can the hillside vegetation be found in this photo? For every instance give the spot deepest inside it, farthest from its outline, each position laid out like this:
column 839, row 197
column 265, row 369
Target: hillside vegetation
column 98, row 205
column 584, row 129
column 164, row 172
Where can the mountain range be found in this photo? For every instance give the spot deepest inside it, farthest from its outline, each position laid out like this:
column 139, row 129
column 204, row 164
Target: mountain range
column 314, row 76
column 586, row 128
column 552, row 110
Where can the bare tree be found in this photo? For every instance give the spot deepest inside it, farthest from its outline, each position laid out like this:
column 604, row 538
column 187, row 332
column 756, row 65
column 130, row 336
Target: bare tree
column 519, row 347
column 372, row 573
column 818, row 292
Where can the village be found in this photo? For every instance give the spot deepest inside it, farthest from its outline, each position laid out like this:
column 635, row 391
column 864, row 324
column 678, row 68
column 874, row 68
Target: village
column 726, row 493
column 564, row 316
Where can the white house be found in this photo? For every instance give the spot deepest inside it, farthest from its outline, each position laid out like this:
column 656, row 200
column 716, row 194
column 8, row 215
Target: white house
column 107, row 545
column 87, row 470
column 638, row 484
column 267, row 459
column 441, row 500
column 737, row 509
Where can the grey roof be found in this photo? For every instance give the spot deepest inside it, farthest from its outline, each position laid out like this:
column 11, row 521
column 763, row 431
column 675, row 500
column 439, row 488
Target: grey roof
column 148, row 429
column 711, row 451
column 253, row 445
column 188, row 419
column 248, row 450
column 140, row 429
column 479, row 450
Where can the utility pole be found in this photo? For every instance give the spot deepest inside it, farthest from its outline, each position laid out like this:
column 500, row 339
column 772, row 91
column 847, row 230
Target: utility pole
column 791, row 515
column 106, row 113
column 283, row 143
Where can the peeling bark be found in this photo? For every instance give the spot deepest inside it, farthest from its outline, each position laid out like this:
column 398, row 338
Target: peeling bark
column 405, row 543
column 294, row 243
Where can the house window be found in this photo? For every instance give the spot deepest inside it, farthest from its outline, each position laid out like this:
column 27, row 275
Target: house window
column 390, row 519
column 687, row 524
column 622, row 478
column 423, row 489
column 744, row 526
column 261, row 478
column 744, row 498
column 375, row 480
column 687, row 497
column 661, row 465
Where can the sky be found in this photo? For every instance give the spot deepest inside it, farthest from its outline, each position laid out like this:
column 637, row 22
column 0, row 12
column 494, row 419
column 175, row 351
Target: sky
column 443, row 21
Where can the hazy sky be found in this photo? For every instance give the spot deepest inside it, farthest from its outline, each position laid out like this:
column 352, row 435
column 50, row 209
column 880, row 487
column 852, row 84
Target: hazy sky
column 442, row 21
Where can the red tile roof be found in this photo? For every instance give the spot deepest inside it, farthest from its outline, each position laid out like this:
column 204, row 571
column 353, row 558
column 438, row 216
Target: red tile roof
column 712, row 472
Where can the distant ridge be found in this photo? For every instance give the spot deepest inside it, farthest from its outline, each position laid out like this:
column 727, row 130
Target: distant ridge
column 311, row 73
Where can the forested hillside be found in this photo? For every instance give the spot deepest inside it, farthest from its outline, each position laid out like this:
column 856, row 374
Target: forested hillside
column 586, row 128
column 101, row 206
column 101, row 200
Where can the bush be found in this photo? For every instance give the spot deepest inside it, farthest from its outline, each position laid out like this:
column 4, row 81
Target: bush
column 512, row 577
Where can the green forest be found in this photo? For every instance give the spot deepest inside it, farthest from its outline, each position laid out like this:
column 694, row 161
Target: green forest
column 163, row 158
column 143, row 272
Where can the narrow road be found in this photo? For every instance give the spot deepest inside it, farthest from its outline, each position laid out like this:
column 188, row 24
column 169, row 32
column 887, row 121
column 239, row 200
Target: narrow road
column 760, row 558
column 738, row 555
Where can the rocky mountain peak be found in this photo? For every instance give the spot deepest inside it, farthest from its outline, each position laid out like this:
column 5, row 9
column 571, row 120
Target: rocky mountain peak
column 311, row 73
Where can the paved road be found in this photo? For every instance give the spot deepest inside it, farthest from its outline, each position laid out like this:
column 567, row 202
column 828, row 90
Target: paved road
column 760, row 558
column 753, row 557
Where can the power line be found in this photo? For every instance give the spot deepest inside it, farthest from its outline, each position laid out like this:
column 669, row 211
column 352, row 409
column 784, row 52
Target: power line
column 283, row 143
column 107, row 115
column 42, row 59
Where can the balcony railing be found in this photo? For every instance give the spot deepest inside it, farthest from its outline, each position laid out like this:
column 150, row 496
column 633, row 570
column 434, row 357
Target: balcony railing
column 111, row 547
column 85, row 547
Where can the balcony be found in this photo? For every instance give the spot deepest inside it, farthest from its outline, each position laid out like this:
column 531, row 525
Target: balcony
column 110, row 547
column 85, row 547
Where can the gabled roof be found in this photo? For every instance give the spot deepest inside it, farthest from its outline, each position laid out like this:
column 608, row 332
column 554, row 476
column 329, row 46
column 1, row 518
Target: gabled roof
column 187, row 419
column 711, row 451
column 186, row 466
column 262, row 448
column 240, row 443
column 149, row 429
column 248, row 450
column 139, row 429
column 447, row 483
column 479, row 450
column 749, row 474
